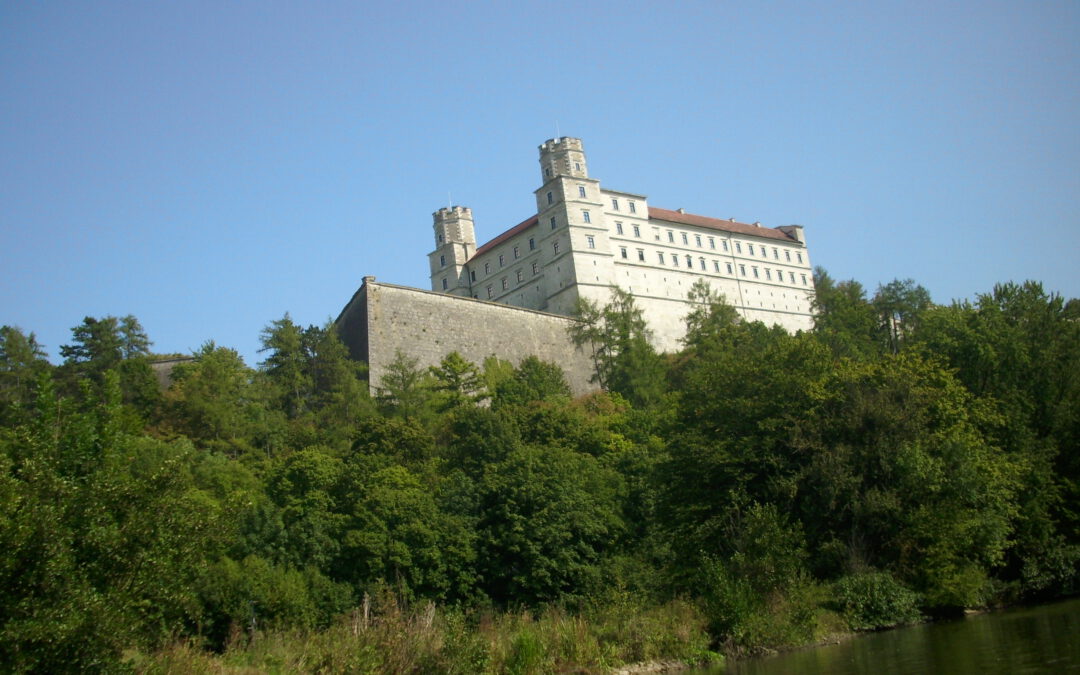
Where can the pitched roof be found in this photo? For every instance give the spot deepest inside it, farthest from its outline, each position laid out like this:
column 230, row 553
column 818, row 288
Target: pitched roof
column 716, row 224
column 517, row 229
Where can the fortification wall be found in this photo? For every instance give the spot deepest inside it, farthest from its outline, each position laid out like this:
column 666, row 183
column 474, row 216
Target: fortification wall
column 382, row 319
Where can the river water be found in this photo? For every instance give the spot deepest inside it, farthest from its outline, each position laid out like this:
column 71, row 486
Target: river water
column 1043, row 639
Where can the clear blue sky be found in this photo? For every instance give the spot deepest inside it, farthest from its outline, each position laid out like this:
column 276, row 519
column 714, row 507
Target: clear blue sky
column 209, row 166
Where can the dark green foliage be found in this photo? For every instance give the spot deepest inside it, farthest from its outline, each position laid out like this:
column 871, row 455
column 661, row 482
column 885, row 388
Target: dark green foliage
column 901, row 458
column 871, row 600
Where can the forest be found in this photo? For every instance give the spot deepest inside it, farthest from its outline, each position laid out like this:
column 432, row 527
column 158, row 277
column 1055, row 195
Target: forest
column 757, row 490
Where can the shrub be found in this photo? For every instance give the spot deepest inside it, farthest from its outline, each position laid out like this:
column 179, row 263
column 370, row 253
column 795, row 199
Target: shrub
column 873, row 600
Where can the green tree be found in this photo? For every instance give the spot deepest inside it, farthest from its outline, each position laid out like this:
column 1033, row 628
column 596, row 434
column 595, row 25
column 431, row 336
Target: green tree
column 532, row 380
column 900, row 306
column 22, row 364
column 843, row 318
column 618, row 335
column 287, row 364
column 459, row 382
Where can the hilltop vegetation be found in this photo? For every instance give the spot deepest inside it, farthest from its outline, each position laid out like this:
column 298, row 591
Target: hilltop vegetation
column 756, row 490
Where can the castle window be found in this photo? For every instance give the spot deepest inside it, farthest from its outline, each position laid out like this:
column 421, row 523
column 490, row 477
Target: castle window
column 442, row 261
column 555, row 246
column 697, row 240
column 536, row 268
column 577, row 166
column 581, row 190
column 787, row 254
column 553, row 224
column 618, row 228
column 490, row 292
column 532, row 244
column 756, row 276
column 585, row 216
column 637, row 231
column 641, row 254
column 615, row 204
column 799, row 255
column 547, row 172
column 550, row 197
column 689, row 262
column 622, row 251
column 750, row 248
column 738, row 247
column 590, row 241
column 440, row 238
column 775, row 253
column 675, row 260
column 716, row 266
column 712, row 243
column 444, row 284
column 725, row 245
column 656, row 233
column 487, row 268
column 742, row 270
column 803, row 279
column 685, row 241
column 661, row 255
column 792, row 275
column 780, row 276
column 729, row 270
column 520, row 276
column 472, row 275
column 502, row 260
column 768, row 274
column 505, row 283
column 671, row 236
column 517, row 253
column 701, row 263
column 633, row 207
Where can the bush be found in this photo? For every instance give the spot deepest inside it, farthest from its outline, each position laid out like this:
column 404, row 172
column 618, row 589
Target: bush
column 873, row 600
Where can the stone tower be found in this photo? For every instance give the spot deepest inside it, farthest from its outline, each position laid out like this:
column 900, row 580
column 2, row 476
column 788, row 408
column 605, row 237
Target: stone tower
column 455, row 242
column 562, row 157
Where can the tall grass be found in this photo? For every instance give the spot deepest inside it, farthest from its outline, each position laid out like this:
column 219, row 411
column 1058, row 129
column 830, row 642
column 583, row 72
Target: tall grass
column 391, row 638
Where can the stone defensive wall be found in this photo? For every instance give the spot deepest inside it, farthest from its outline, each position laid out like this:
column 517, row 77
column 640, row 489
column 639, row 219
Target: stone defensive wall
column 383, row 319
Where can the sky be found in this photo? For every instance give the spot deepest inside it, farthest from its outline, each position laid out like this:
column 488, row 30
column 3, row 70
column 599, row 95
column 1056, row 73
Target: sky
column 209, row 166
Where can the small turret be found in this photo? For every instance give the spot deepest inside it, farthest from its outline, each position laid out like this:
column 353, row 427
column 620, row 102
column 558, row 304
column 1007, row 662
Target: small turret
column 455, row 243
column 563, row 156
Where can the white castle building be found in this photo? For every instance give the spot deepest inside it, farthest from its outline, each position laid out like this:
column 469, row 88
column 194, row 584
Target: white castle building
column 584, row 239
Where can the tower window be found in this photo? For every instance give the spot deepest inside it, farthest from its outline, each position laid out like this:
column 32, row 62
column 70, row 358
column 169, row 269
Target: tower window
column 577, row 166
column 442, row 261
column 585, row 217
column 555, row 246
column 590, row 241
column 581, row 190
column 553, row 224
column 547, row 172
column 550, row 197
column 803, row 279
column 799, row 256
column 444, row 284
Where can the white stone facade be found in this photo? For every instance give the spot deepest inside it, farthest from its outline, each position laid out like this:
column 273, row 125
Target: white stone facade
column 584, row 239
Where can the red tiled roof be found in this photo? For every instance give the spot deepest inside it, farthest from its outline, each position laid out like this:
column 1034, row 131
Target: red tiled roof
column 716, row 224
column 517, row 229
column 658, row 214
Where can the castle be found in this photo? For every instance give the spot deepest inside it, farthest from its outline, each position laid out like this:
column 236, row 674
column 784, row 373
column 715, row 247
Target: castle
column 513, row 296
column 584, row 239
